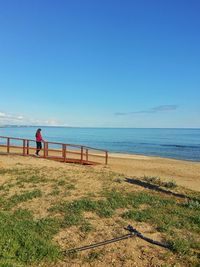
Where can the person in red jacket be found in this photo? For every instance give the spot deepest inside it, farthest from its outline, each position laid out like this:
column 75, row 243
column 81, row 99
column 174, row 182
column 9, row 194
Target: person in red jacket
column 39, row 141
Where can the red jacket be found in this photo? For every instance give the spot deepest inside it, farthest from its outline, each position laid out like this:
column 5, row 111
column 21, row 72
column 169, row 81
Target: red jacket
column 39, row 137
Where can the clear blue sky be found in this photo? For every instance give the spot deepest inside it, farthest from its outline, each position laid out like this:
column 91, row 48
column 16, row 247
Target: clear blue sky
column 100, row 63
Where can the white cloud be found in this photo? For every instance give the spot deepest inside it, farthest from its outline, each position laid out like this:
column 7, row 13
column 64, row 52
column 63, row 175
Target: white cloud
column 2, row 114
column 7, row 118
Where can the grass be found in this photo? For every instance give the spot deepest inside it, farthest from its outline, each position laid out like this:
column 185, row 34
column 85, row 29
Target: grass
column 33, row 179
column 166, row 215
column 163, row 213
column 26, row 240
column 55, row 192
column 25, row 196
column 70, row 187
column 93, row 256
column 61, row 183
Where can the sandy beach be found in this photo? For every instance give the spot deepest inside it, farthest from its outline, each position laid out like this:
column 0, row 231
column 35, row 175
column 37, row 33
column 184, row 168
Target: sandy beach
column 184, row 173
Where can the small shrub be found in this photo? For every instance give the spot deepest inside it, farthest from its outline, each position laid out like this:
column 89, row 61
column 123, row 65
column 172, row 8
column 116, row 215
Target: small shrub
column 158, row 181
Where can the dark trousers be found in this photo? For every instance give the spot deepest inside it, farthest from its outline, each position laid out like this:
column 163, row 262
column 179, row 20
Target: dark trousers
column 38, row 147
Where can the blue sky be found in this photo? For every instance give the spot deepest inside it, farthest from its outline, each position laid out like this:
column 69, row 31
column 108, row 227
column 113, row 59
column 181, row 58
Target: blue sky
column 100, row 63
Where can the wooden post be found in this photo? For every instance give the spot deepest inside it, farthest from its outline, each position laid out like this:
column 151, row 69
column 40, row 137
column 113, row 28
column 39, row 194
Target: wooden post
column 86, row 154
column 47, row 149
column 8, row 145
column 64, row 152
column 24, row 147
column 44, row 149
column 27, row 143
column 81, row 154
column 106, row 157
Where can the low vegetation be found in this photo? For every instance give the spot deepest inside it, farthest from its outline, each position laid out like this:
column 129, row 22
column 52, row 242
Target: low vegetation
column 81, row 205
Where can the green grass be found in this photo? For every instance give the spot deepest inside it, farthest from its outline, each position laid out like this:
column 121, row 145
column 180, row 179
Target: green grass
column 18, row 198
column 24, row 241
column 86, row 227
column 61, row 182
column 191, row 204
column 106, row 207
column 6, row 187
column 33, row 179
column 55, row 192
column 163, row 213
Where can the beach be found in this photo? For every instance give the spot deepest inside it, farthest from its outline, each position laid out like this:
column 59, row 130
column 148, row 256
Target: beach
column 183, row 173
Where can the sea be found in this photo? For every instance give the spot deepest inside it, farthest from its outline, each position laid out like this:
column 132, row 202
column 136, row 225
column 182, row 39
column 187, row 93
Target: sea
column 174, row 143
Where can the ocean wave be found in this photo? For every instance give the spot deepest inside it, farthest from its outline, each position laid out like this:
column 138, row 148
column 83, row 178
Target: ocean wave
column 181, row 146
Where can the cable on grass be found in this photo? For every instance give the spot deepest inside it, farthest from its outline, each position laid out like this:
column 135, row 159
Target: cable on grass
column 133, row 233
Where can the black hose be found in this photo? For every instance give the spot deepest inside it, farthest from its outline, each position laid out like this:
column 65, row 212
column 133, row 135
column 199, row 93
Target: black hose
column 106, row 242
column 133, row 232
column 149, row 240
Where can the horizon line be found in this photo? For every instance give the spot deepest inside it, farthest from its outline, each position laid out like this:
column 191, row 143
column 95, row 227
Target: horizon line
column 101, row 127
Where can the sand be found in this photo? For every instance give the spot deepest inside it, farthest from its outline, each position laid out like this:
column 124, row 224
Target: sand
column 184, row 173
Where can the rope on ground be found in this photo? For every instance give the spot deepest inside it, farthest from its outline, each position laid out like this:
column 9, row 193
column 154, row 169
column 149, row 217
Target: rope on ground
column 133, row 233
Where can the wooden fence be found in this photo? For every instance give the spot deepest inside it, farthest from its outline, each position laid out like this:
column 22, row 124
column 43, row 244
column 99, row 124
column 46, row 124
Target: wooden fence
column 54, row 151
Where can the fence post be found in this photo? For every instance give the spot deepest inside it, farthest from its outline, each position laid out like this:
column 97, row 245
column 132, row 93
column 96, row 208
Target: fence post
column 81, row 154
column 106, row 157
column 8, row 145
column 24, row 147
column 44, row 149
column 86, row 154
column 27, row 151
column 64, row 152
column 47, row 149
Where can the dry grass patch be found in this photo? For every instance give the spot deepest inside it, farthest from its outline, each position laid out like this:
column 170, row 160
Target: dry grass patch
column 63, row 206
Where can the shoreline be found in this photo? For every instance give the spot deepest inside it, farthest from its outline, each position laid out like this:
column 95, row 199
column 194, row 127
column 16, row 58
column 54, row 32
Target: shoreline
column 142, row 156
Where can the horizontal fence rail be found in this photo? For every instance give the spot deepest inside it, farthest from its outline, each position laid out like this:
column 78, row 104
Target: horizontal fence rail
column 54, row 150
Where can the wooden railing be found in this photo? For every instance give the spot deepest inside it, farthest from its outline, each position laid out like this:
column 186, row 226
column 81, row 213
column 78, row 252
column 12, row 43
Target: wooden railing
column 54, row 150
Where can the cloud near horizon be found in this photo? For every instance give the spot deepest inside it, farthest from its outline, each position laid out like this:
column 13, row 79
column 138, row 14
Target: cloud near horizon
column 158, row 109
column 6, row 118
column 9, row 117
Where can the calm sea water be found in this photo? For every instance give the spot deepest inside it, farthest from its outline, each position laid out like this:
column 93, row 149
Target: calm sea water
column 170, row 143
